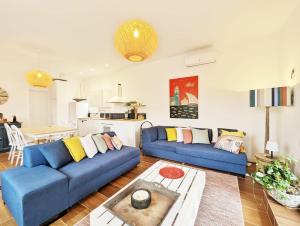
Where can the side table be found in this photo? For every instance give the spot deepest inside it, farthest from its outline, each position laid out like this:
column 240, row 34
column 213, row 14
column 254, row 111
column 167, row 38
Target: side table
column 263, row 159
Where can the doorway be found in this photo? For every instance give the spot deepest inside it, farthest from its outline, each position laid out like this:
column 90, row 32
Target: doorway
column 39, row 110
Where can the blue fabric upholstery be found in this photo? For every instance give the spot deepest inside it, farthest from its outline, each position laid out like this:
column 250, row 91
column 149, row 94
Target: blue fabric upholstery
column 199, row 154
column 207, row 163
column 162, row 133
column 33, row 157
column 207, row 151
column 110, row 133
column 162, row 145
column 56, row 154
column 87, row 169
column 105, row 177
column 34, row 195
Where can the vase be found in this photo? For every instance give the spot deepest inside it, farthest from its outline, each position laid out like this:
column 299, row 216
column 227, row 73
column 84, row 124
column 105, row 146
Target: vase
column 288, row 200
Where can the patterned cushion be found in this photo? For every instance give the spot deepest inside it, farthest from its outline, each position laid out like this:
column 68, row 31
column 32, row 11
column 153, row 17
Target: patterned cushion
column 229, row 143
column 187, row 136
column 117, row 142
column 200, row 136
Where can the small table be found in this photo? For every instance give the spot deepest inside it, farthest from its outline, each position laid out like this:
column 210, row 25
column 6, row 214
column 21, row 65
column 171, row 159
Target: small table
column 183, row 212
column 263, row 159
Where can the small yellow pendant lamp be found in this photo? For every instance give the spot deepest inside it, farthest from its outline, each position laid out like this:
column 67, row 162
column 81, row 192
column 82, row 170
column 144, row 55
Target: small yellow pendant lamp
column 39, row 78
column 136, row 40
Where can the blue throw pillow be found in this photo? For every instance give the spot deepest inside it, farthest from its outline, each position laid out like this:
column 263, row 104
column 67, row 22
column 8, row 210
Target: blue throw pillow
column 110, row 133
column 56, row 154
column 161, row 132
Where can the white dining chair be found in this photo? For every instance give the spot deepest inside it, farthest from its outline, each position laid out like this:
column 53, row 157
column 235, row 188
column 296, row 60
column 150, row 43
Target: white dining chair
column 12, row 142
column 21, row 144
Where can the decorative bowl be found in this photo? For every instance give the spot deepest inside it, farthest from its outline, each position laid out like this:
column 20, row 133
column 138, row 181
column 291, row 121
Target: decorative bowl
column 288, row 200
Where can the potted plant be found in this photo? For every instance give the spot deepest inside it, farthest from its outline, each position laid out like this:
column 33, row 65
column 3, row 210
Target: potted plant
column 280, row 182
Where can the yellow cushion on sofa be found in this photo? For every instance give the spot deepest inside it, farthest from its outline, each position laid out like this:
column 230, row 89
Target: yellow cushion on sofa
column 75, row 148
column 229, row 133
column 171, row 134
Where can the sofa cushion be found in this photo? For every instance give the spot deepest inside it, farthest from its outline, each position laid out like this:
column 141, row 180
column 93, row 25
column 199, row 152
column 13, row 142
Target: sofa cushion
column 207, row 151
column 56, row 153
column 89, row 146
column 171, row 134
column 200, row 136
column 100, row 143
column 28, row 191
column 75, row 148
column 87, row 169
column 161, row 145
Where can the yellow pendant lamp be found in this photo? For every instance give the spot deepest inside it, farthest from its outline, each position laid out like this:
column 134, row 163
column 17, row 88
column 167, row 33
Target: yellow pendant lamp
column 136, row 40
column 39, row 78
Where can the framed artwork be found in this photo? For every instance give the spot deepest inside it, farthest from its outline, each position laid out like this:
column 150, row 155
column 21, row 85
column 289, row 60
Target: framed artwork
column 184, row 97
column 3, row 96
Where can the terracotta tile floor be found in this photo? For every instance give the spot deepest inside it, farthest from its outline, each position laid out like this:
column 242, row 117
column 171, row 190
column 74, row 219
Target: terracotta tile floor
column 253, row 209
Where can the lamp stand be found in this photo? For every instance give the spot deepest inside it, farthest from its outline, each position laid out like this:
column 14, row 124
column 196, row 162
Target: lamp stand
column 267, row 128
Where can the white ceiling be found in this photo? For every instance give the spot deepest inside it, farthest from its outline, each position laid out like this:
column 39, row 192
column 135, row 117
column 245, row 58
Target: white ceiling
column 75, row 37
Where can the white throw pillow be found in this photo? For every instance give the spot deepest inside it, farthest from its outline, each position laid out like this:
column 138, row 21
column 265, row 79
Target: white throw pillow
column 89, row 145
column 118, row 144
column 179, row 134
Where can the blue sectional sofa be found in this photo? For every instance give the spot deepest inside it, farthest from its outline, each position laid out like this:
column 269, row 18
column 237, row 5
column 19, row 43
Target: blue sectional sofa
column 154, row 140
column 34, row 193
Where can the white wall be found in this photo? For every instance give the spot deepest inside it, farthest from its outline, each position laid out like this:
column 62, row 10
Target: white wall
column 290, row 116
column 223, row 87
column 12, row 79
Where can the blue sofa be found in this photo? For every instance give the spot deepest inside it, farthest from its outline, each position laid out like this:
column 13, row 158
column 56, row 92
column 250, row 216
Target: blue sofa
column 34, row 193
column 154, row 140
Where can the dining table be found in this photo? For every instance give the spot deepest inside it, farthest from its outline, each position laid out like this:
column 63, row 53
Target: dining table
column 48, row 133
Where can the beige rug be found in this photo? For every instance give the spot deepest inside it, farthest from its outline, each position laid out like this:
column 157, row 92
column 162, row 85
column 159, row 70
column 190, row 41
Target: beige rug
column 220, row 205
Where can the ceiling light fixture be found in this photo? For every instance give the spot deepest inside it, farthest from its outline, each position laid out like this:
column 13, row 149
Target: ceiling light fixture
column 136, row 40
column 38, row 78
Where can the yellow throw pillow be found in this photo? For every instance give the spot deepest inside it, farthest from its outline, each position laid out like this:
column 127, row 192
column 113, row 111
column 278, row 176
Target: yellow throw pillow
column 229, row 133
column 171, row 134
column 75, row 148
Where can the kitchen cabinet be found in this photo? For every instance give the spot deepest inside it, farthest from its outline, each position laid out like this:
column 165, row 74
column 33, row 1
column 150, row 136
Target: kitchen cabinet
column 127, row 130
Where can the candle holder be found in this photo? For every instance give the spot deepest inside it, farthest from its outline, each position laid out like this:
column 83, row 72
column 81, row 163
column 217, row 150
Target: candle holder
column 141, row 198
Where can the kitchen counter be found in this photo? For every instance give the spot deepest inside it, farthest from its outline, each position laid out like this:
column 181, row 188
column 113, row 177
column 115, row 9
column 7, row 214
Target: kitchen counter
column 105, row 119
column 128, row 130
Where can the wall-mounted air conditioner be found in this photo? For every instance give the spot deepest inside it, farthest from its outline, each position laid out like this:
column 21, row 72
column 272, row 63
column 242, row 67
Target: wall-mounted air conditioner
column 199, row 59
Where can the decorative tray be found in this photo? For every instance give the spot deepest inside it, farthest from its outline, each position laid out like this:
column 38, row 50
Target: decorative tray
column 162, row 199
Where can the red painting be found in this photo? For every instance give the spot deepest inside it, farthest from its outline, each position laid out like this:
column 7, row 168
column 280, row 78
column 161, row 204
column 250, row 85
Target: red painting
column 184, row 97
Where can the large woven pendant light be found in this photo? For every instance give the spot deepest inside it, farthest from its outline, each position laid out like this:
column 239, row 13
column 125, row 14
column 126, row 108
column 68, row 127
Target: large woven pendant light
column 39, row 78
column 136, row 40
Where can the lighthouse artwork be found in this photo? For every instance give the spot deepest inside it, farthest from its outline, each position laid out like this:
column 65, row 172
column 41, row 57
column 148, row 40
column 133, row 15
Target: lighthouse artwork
column 184, row 97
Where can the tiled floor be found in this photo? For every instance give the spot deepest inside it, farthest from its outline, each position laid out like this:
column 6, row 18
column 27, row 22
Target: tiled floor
column 251, row 196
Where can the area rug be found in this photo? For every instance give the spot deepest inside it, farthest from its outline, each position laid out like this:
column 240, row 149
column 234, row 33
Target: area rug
column 220, row 205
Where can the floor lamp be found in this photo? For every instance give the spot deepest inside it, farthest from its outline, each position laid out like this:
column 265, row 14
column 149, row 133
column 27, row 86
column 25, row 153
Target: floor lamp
column 270, row 97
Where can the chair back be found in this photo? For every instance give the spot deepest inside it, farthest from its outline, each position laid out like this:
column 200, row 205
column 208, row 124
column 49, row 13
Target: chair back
column 10, row 134
column 20, row 139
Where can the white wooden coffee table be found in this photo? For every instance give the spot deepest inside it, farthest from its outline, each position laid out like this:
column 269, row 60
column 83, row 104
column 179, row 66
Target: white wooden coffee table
column 183, row 212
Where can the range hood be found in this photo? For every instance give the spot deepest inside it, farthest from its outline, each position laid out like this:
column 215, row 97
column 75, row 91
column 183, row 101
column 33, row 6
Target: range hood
column 118, row 98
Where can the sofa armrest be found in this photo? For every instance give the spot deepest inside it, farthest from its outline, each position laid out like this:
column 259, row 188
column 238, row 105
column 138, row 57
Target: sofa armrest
column 33, row 157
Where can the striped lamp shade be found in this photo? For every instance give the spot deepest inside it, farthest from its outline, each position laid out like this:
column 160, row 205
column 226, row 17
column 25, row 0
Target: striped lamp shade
column 272, row 97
